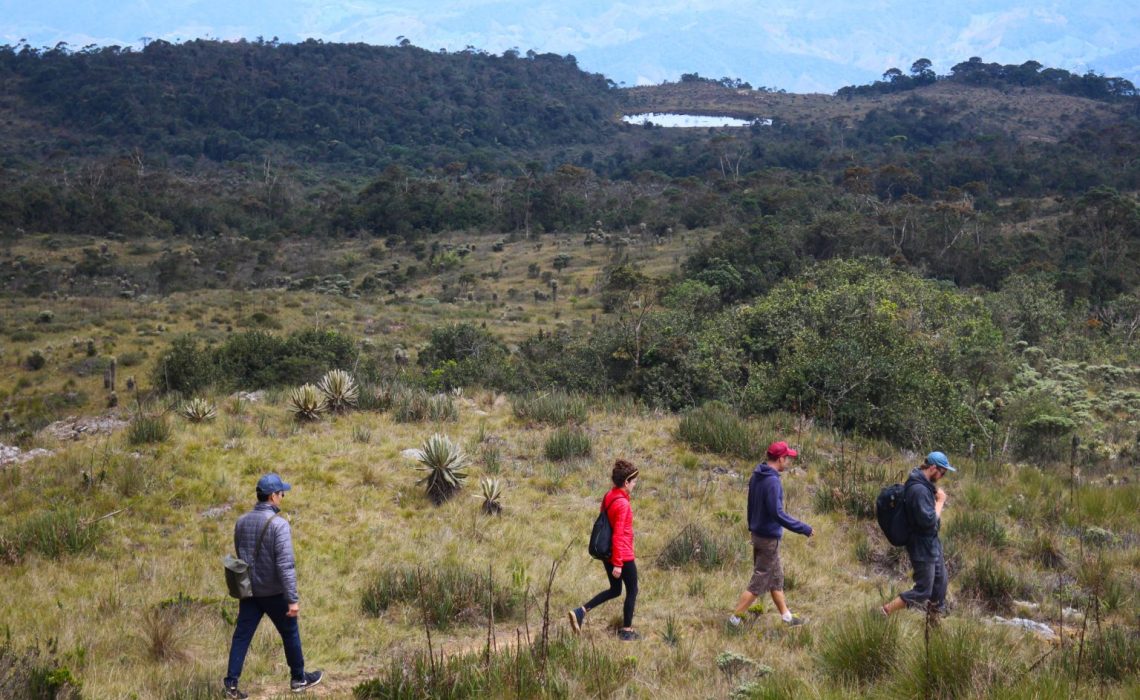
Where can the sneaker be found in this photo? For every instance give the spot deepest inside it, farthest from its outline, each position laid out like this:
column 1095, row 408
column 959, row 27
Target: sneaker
column 233, row 692
column 628, row 636
column 734, row 621
column 307, row 682
column 577, row 617
column 796, row 621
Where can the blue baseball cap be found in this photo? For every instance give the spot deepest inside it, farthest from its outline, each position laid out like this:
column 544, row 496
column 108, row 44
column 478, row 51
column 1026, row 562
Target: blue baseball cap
column 938, row 459
column 271, row 483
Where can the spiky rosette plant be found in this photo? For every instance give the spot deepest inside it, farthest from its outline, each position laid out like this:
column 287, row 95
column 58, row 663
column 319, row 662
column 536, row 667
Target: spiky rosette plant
column 306, row 402
column 492, row 493
column 340, row 390
column 446, row 467
column 198, row 410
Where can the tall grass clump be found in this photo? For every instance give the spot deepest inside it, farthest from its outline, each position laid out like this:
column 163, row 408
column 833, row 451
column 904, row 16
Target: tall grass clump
column 567, row 443
column 696, row 545
column 552, row 408
column 860, row 648
column 146, row 429
column 1112, row 654
column 51, row 534
column 564, row 668
column 444, row 593
column 959, row 661
column 991, row 583
column 714, row 428
column 852, row 489
column 416, row 405
column 446, row 466
column 442, row 408
column 164, row 634
column 977, row 527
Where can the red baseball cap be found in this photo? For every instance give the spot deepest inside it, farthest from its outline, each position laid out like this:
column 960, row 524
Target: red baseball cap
column 780, row 449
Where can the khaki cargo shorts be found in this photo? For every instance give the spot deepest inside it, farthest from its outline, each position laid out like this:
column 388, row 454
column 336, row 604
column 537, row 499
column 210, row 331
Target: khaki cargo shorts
column 768, row 574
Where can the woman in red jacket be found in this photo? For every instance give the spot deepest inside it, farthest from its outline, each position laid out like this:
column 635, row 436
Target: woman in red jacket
column 621, row 568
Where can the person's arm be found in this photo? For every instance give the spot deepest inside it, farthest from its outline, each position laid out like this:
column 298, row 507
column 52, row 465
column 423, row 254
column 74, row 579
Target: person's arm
column 286, row 564
column 924, row 509
column 621, row 518
column 776, row 505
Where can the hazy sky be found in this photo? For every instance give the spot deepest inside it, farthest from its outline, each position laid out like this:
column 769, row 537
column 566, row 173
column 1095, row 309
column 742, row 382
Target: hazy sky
column 798, row 45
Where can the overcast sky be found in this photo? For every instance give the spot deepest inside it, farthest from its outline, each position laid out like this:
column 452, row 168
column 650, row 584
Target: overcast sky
column 798, row 45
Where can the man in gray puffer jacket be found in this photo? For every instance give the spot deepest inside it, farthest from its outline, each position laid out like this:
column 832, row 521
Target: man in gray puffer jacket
column 266, row 542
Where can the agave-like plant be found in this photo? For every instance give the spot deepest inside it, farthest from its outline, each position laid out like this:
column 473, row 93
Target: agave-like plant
column 446, row 467
column 492, row 492
column 306, row 402
column 340, row 390
column 198, row 410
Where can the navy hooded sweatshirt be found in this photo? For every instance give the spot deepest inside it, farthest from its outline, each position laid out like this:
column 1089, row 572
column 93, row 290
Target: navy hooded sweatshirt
column 766, row 516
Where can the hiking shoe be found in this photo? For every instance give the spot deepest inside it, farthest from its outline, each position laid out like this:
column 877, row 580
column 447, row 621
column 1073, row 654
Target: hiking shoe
column 734, row 621
column 628, row 636
column 577, row 617
column 796, row 621
column 310, row 679
column 233, row 692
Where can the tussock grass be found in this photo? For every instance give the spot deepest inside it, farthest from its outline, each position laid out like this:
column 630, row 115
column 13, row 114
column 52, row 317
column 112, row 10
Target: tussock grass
column 696, row 545
column 961, row 660
column 981, row 528
column 52, row 534
column 566, row 668
column 553, row 408
column 147, row 429
column 715, row 428
column 860, row 648
column 445, row 594
column 991, row 582
column 567, row 443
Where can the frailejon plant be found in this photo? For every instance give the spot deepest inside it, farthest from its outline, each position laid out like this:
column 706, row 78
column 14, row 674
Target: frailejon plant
column 446, row 467
column 340, row 390
column 492, row 493
column 198, row 410
column 306, row 403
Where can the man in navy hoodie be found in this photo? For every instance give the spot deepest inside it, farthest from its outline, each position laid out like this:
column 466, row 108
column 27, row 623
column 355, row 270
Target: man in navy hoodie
column 767, row 521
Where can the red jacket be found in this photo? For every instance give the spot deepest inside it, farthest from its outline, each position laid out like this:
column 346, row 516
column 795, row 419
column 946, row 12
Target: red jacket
column 616, row 505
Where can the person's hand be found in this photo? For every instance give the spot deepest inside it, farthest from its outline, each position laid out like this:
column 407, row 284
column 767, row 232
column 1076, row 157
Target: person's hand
column 294, row 610
column 811, row 533
column 940, row 496
column 617, row 572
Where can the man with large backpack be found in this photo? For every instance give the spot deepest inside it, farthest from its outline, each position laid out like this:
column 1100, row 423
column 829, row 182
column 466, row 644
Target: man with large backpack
column 922, row 509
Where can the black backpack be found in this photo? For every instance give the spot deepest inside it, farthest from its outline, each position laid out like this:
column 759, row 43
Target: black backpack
column 890, row 510
column 602, row 538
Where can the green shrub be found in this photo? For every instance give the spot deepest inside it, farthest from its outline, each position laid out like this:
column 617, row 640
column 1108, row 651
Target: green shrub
column 860, row 648
column 36, row 674
column 147, row 429
column 446, row 593
column 553, row 408
column 35, row 360
column 714, row 428
column 184, row 368
column 696, row 545
column 567, row 443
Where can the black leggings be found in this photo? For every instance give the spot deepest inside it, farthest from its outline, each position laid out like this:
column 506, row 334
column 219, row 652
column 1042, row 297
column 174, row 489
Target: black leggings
column 629, row 577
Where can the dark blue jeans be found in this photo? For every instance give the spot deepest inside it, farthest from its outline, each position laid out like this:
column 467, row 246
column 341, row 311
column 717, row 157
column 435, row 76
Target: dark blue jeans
column 250, row 611
column 629, row 577
column 930, row 584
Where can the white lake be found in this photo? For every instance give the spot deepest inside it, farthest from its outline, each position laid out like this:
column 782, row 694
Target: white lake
column 690, row 120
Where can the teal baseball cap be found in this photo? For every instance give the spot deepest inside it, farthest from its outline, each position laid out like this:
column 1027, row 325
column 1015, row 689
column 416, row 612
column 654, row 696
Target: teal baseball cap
column 938, row 459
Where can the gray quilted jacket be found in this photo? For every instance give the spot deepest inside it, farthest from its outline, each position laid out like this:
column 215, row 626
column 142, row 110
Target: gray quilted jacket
column 274, row 572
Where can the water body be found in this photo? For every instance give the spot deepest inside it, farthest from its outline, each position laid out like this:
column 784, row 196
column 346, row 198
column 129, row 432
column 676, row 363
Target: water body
column 690, row 120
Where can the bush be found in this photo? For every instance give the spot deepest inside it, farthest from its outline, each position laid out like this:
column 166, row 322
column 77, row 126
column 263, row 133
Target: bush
column 36, row 674
column 35, row 360
column 147, row 429
column 567, row 443
column 860, row 648
column 553, row 408
column 446, row 593
column 183, row 368
column 714, row 428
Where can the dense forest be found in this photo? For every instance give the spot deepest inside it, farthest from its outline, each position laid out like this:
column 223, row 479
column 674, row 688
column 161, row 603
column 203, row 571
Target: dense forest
column 955, row 228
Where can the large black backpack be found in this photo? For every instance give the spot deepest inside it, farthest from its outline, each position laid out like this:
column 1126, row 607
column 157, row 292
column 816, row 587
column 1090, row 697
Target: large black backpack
column 890, row 510
column 602, row 537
